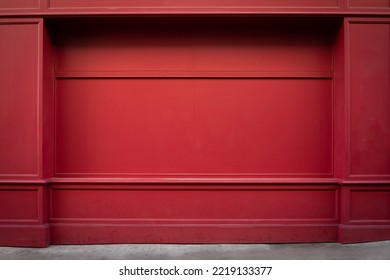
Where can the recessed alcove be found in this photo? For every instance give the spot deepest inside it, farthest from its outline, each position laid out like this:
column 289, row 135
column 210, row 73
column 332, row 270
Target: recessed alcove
column 213, row 96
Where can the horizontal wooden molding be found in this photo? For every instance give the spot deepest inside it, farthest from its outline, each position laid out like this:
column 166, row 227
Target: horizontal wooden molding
column 369, row 3
column 193, row 74
column 188, row 180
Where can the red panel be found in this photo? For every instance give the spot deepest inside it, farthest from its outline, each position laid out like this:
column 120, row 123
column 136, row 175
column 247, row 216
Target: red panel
column 240, row 44
column 18, row 99
column 18, row 204
column 47, row 112
column 369, row 3
column 190, row 3
column 186, row 204
column 19, row 4
column 370, row 206
column 370, row 99
column 85, row 214
column 119, row 126
column 341, row 146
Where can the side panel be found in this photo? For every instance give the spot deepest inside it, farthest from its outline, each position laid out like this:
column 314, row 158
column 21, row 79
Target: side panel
column 370, row 99
column 365, row 212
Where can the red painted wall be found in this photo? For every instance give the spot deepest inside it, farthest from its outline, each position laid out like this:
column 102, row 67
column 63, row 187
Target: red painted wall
column 194, row 129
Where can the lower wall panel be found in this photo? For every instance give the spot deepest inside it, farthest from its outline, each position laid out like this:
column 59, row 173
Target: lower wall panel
column 125, row 233
column 370, row 205
column 23, row 218
column 87, row 214
column 365, row 212
column 25, row 235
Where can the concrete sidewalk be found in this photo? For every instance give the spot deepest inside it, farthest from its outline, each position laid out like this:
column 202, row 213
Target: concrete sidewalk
column 308, row 251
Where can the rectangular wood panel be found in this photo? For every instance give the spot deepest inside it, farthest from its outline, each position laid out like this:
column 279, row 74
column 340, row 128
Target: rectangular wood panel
column 198, row 126
column 194, row 96
column 19, row 64
column 185, row 45
column 18, row 205
column 19, row 4
column 370, row 206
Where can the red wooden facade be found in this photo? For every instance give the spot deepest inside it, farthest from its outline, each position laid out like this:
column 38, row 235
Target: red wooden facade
column 184, row 121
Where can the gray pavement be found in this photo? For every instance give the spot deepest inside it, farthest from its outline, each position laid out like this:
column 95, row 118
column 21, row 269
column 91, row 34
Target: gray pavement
column 307, row 251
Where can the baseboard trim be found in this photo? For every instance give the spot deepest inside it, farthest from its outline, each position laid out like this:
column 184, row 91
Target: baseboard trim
column 62, row 233
column 25, row 235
